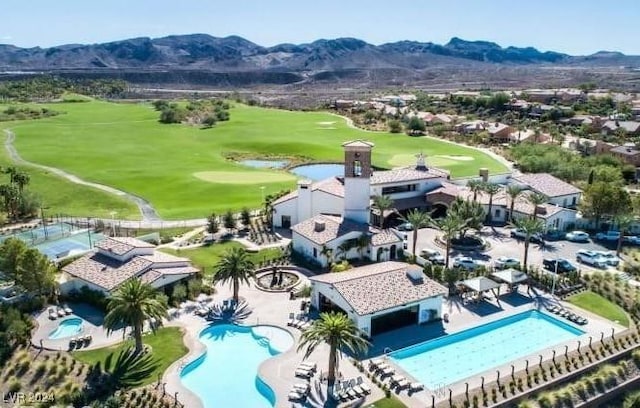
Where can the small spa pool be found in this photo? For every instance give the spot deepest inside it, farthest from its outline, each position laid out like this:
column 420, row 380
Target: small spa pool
column 67, row 328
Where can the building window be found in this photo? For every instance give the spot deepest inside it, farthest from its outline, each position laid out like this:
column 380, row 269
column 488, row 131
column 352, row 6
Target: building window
column 399, row 189
column 573, row 201
column 315, row 252
column 498, row 213
column 357, row 168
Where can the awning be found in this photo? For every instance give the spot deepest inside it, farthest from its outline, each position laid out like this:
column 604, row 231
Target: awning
column 480, row 284
column 510, row 276
column 402, row 204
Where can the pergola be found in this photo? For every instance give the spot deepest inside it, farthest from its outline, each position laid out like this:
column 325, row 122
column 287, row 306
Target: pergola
column 481, row 284
column 510, row 276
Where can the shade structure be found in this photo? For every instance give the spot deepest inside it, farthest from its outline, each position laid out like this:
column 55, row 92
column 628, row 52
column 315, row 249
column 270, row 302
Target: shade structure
column 480, row 284
column 510, row 276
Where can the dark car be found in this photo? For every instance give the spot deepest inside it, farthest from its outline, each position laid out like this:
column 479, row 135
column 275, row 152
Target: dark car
column 563, row 265
column 520, row 234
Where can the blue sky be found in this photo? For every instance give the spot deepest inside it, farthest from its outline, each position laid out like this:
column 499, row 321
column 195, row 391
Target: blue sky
column 571, row 26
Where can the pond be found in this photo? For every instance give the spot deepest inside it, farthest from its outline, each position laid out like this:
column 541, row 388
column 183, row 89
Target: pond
column 265, row 164
column 316, row 172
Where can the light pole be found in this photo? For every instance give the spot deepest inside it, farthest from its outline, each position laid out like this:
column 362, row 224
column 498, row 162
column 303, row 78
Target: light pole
column 113, row 223
column 44, row 222
column 89, row 231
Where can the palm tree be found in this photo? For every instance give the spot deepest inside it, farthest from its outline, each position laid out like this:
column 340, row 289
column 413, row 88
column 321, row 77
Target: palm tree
column 513, row 191
column 382, row 203
column 418, row 219
column 623, row 221
column 475, row 186
column 362, row 243
column 530, row 227
column 339, row 332
column 132, row 304
column 327, row 253
column 235, row 267
column 344, row 248
column 450, row 226
column 491, row 189
column 535, row 200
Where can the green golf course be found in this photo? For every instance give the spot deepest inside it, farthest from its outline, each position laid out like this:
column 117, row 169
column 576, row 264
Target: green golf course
column 184, row 171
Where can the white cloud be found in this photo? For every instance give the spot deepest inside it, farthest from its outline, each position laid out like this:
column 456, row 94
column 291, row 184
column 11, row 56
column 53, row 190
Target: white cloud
column 6, row 38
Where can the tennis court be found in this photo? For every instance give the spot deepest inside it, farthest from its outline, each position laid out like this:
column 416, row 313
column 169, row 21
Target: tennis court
column 41, row 234
column 71, row 245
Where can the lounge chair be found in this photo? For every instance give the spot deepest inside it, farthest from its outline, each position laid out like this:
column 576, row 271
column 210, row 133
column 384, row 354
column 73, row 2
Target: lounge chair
column 582, row 321
column 72, row 342
column 300, row 372
column 415, row 387
column 67, row 309
column 387, row 371
column 304, row 326
column 396, row 378
column 87, row 339
column 61, row 312
column 336, row 391
column 308, row 365
column 402, row 384
column 301, row 388
column 295, row 396
column 382, row 366
column 292, row 319
column 52, row 314
column 352, row 393
column 299, row 321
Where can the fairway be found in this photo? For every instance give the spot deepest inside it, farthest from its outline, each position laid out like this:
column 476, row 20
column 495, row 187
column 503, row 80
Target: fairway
column 123, row 146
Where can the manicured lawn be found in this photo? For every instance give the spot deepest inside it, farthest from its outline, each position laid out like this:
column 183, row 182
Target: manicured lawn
column 597, row 304
column 183, row 170
column 392, row 402
column 166, row 345
column 207, row 256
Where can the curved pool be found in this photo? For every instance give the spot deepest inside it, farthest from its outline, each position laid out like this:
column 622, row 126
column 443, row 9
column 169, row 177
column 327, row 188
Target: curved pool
column 226, row 375
column 67, row 328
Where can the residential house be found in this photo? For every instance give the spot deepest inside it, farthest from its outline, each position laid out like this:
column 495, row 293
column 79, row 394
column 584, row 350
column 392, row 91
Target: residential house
column 559, row 192
column 500, row 132
column 628, row 154
column 631, row 128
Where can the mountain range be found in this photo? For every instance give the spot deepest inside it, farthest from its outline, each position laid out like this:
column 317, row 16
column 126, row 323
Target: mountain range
column 236, row 54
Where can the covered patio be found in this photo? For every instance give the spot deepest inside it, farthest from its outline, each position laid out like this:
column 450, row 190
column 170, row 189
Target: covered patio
column 512, row 277
column 478, row 286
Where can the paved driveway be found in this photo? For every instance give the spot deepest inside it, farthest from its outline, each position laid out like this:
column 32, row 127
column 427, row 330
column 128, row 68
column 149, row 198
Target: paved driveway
column 503, row 245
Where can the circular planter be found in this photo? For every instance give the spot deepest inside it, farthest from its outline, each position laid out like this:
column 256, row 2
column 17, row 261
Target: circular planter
column 269, row 281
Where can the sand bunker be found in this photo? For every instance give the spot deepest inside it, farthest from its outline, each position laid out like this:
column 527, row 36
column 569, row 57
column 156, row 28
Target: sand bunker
column 459, row 158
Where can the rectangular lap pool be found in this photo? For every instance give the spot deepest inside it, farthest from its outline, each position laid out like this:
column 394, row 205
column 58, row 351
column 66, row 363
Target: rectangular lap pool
column 451, row 358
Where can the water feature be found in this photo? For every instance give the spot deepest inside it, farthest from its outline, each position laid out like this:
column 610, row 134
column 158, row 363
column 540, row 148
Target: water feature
column 318, row 172
column 67, row 328
column 265, row 164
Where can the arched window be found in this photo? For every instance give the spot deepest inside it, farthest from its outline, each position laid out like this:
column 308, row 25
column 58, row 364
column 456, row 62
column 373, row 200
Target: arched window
column 357, row 168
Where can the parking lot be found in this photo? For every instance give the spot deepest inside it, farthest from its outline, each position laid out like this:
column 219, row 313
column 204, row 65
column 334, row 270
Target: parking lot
column 501, row 244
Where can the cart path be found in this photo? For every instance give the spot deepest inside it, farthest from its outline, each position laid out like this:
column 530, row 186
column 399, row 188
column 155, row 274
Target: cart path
column 146, row 209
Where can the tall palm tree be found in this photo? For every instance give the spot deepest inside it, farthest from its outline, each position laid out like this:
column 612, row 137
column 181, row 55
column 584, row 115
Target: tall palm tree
column 491, row 189
column 362, row 243
column 450, row 226
column 327, row 253
column 235, row 267
column 132, row 304
column 623, row 221
column 344, row 248
column 418, row 219
column 475, row 186
column 382, row 203
column 530, row 227
column 513, row 191
column 337, row 330
column 535, row 200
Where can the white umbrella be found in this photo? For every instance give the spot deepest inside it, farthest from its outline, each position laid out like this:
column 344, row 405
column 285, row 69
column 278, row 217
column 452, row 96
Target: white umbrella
column 202, row 298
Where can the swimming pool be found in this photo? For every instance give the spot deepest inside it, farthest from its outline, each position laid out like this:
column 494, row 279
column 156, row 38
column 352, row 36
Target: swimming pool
column 226, row 374
column 67, row 328
column 442, row 361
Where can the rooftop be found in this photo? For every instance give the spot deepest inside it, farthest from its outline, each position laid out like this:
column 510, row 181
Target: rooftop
column 332, row 228
column 105, row 271
column 625, row 150
column 372, row 288
column 547, row 184
column 405, row 174
column 121, row 245
column 332, row 185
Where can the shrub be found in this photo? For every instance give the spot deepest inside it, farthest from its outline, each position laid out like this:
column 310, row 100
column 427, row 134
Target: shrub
column 14, row 384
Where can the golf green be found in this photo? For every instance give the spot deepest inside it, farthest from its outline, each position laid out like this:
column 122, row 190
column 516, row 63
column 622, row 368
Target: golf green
column 184, row 171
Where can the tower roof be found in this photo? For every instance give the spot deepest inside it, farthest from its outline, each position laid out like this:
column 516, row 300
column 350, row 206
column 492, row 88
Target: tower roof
column 358, row 143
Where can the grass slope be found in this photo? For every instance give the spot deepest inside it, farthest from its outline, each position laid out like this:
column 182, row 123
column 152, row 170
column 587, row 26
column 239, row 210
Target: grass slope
column 392, row 402
column 602, row 307
column 123, row 145
column 166, row 345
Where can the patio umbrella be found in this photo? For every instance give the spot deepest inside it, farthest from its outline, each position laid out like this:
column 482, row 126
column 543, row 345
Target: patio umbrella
column 202, row 298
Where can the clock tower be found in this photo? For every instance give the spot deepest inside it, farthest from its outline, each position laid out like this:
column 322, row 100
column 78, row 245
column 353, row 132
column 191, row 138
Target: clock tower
column 357, row 174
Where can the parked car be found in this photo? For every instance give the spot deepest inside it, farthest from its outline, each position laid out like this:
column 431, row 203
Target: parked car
column 432, row 255
column 611, row 257
column 504, row 262
column 406, row 226
column 608, row 236
column 465, row 262
column 520, row 234
column 554, row 235
column 592, row 258
column 563, row 265
column 577, row 236
column 631, row 239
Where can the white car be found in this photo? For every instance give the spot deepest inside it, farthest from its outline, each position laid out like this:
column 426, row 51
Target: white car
column 465, row 262
column 610, row 257
column 504, row 262
column 577, row 236
column 592, row 258
column 432, row 255
column 608, row 236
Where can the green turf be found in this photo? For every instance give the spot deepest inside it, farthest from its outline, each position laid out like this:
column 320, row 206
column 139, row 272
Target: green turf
column 207, row 256
column 166, row 345
column 597, row 304
column 392, row 402
column 123, row 145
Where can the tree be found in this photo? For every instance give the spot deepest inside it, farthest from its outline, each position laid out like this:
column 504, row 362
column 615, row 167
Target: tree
column 604, row 199
column 10, row 199
column 382, row 203
column 132, row 304
column 327, row 253
column 416, row 125
column 245, row 217
column 513, row 191
column 475, row 186
column 213, row 225
column 491, row 189
column 418, row 219
column 536, row 199
column 339, row 332
column 362, row 243
column 179, row 292
column 471, row 212
column 623, row 221
column 11, row 251
column 210, row 121
column 395, row 126
column 345, row 247
column 235, row 267
column 530, row 227
column 35, row 272
column 228, row 220
column 450, row 226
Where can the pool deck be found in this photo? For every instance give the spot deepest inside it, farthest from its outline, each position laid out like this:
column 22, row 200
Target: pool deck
column 278, row 371
column 92, row 324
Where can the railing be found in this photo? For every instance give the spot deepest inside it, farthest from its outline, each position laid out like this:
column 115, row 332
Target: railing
column 385, row 352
